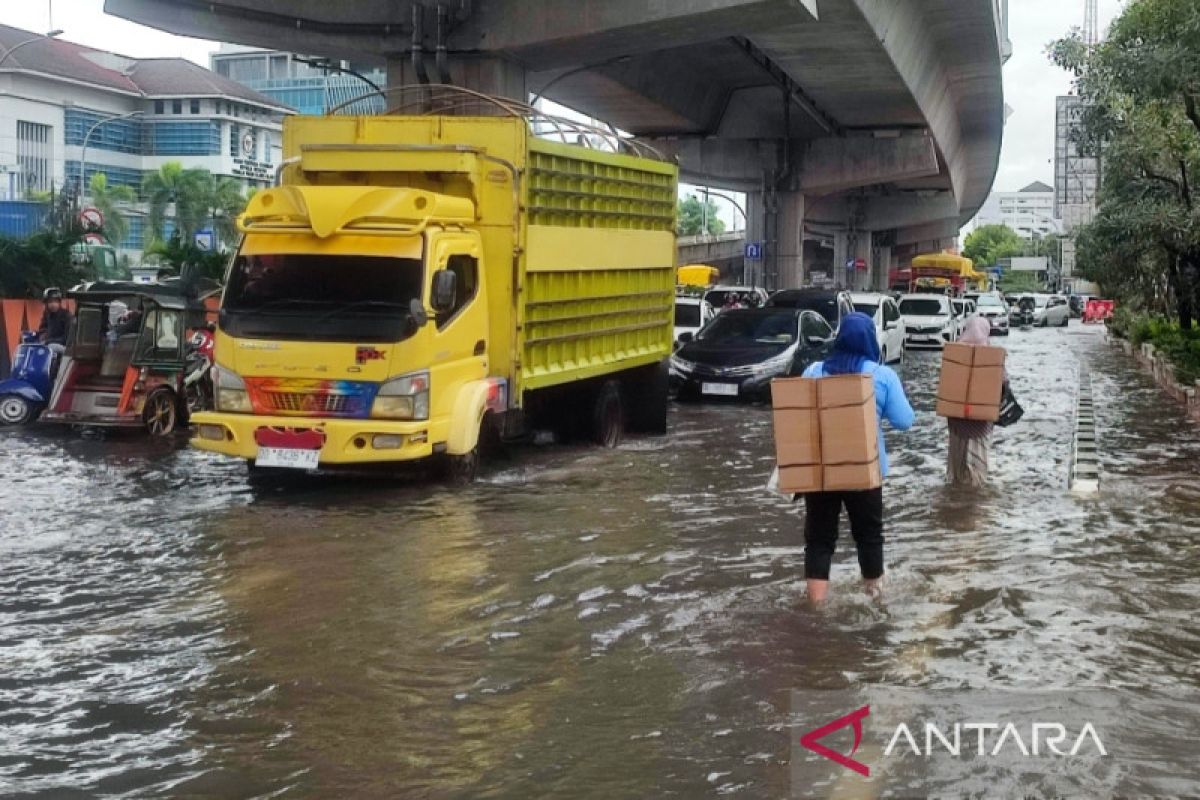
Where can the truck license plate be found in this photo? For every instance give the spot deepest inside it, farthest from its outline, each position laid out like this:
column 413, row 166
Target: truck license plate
column 724, row 389
column 287, row 458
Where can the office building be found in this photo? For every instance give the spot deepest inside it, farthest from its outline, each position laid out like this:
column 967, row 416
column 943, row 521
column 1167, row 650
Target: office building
column 290, row 80
column 1029, row 212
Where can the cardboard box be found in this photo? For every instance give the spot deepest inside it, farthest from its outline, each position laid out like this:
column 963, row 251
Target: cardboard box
column 826, row 434
column 971, row 382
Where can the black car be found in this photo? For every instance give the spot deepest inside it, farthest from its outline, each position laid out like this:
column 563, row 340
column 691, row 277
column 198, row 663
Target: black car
column 830, row 304
column 740, row 351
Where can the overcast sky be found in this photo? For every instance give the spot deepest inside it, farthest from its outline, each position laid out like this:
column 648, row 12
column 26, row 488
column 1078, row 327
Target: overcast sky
column 1031, row 83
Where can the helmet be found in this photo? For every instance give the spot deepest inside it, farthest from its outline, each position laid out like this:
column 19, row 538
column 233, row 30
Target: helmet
column 52, row 294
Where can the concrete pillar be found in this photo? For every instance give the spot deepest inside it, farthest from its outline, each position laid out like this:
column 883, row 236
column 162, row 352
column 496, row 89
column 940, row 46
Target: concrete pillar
column 860, row 248
column 488, row 74
column 841, row 254
column 756, row 217
column 790, row 248
column 881, row 268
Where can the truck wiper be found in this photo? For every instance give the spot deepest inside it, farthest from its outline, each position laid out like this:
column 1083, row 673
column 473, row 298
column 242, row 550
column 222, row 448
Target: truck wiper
column 360, row 304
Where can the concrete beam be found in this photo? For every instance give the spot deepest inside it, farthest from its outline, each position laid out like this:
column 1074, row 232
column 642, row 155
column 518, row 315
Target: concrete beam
column 735, row 165
column 883, row 212
column 836, row 165
column 939, row 230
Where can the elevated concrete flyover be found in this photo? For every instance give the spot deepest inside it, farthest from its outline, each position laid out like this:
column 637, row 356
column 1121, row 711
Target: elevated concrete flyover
column 862, row 129
column 724, row 251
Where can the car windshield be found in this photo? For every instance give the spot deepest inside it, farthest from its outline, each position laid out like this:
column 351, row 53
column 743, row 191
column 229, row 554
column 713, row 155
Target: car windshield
column 326, row 297
column 737, row 328
column 990, row 301
column 824, row 304
column 1040, row 302
column 866, row 308
column 922, row 307
column 687, row 315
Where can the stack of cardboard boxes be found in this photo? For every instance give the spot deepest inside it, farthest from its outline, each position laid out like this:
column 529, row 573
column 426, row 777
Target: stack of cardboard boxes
column 826, row 434
column 971, row 383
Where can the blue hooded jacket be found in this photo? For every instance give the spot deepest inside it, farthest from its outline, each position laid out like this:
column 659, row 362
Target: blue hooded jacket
column 856, row 350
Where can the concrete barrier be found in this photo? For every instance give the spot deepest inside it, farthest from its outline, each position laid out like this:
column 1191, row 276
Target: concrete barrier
column 1163, row 372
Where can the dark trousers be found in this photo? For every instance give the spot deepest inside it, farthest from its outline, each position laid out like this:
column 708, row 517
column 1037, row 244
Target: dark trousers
column 865, row 510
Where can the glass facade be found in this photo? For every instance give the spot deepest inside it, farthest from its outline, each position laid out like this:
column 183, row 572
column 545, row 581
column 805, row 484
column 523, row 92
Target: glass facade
column 117, row 135
column 183, row 138
column 117, row 176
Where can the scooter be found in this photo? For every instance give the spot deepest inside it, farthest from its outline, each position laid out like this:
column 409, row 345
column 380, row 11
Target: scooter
column 197, row 378
column 25, row 393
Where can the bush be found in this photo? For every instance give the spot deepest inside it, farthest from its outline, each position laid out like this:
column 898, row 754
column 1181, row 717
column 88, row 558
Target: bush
column 1181, row 348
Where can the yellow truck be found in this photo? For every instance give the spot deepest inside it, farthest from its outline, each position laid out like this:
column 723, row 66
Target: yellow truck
column 418, row 285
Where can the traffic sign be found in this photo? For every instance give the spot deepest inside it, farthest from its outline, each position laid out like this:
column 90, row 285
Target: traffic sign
column 92, row 217
column 204, row 240
column 93, row 238
column 754, row 251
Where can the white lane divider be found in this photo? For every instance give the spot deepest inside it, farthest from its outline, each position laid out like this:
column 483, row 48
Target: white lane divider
column 1085, row 454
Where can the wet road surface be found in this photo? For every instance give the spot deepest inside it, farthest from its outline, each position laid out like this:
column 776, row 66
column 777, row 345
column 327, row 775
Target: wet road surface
column 581, row 623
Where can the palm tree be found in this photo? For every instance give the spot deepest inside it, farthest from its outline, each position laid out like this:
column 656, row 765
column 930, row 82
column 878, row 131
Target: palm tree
column 189, row 189
column 107, row 199
column 225, row 204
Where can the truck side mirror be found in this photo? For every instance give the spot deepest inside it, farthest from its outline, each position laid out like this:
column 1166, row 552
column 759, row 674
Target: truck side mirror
column 445, row 287
column 416, row 311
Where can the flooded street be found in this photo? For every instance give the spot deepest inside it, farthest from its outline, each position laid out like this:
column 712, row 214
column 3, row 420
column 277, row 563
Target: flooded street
column 580, row 623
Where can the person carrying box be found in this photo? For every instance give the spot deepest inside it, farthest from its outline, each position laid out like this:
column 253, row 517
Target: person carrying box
column 969, row 396
column 855, row 351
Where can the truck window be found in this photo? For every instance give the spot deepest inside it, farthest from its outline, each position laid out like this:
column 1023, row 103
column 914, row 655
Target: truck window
column 349, row 298
column 467, row 270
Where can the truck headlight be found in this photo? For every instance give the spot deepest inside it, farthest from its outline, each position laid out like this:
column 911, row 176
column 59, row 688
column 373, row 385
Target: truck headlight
column 405, row 397
column 231, row 391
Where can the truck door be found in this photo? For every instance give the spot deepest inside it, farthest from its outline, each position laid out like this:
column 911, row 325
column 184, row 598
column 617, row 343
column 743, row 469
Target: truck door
column 460, row 350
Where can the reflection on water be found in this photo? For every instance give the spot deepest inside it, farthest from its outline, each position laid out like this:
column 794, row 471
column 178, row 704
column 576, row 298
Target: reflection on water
column 581, row 623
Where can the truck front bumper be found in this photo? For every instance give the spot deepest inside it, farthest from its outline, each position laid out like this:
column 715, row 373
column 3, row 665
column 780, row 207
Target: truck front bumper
column 347, row 441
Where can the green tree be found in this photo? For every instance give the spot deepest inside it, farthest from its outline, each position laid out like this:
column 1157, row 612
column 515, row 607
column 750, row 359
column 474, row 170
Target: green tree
column 190, row 190
column 1141, row 86
column 37, row 262
column 691, row 215
column 225, row 202
column 987, row 244
column 108, row 199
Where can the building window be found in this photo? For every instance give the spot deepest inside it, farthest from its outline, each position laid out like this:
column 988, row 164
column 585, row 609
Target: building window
column 233, row 141
column 158, row 107
column 184, row 139
column 34, row 150
column 176, row 106
column 117, row 135
column 195, row 107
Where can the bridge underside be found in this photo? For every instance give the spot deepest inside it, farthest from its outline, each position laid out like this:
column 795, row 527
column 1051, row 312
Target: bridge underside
column 860, row 128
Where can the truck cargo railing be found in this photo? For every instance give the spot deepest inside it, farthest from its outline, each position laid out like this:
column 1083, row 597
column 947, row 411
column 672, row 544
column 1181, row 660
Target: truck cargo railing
column 441, row 98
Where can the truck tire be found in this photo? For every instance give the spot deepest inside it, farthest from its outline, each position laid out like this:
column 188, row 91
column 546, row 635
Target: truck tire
column 459, row 470
column 608, row 415
column 647, row 393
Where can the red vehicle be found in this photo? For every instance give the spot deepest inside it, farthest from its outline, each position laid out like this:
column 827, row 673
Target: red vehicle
column 1097, row 311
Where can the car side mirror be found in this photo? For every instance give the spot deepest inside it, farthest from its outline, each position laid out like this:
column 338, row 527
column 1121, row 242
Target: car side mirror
column 815, row 341
column 445, row 287
column 416, row 310
column 686, row 337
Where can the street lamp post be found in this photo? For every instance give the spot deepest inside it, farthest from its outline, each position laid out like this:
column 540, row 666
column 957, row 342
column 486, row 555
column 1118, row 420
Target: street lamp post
column 87, row 137
column 51, row 35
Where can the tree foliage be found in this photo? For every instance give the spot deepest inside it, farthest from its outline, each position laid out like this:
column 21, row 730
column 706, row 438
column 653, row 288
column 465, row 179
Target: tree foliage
column 987, row 244
column 37, row 262
column 108, row 200
column 200, row 200
column 691, row 217
column 1141, row 87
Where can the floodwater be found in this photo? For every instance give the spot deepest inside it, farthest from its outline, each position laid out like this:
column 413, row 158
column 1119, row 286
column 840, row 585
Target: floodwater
column 581, row 623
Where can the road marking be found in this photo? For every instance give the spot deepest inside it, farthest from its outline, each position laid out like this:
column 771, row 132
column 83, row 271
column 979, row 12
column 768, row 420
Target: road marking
column 1085, row 448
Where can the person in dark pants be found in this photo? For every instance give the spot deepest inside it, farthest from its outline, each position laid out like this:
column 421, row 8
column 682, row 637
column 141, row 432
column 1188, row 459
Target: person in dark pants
column 56, row 321
column 856, row 350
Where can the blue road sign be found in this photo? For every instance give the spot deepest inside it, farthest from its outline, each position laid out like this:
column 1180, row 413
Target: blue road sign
column 754, row 251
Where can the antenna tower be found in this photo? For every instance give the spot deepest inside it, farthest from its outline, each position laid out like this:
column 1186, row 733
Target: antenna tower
column 1091, row 33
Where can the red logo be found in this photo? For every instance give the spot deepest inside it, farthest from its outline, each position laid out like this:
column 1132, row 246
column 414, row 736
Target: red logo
column 811, row 740
column 364, row 354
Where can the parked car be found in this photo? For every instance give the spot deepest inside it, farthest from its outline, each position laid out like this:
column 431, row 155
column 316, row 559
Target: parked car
column 928, row 320
column 740, row 351
column 1051, row 309
column 992, row 307
column 962, row 310
column 1078, row 302
column 829, row 303
column 889, row 328
column 691, row 314
column 717, row 296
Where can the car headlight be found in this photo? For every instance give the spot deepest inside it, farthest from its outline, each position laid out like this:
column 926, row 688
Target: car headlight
column 231, row 396
column 775, row 365
column 405, row 397
column 680, row 365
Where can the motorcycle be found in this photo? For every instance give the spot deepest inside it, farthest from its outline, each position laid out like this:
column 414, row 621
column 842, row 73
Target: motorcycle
column 25, row 393
column 197, row 371
column 1023, row 315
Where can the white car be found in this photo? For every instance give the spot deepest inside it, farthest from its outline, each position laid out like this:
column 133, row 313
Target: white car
column 928, row 320
column 691, row 314
column 1051, row 309
column 889, row 329
column 991, row 306
column 963, row 308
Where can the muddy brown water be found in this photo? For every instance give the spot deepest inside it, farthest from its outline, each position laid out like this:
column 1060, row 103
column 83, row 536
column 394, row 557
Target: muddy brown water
column 581, row 623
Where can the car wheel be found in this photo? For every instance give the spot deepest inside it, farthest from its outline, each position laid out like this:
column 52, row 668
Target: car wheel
column 608, row 416
column 161, row 414
column 15, row 410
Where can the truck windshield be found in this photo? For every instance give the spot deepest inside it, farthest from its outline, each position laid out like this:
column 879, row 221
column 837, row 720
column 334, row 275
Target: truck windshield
column 321, row 298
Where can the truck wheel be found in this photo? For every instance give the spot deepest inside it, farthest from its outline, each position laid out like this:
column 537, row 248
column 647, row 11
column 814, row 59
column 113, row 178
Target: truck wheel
column 161, row 414
column 648, row 394
column 15, row 410
column 460, row 470
column 608, row 415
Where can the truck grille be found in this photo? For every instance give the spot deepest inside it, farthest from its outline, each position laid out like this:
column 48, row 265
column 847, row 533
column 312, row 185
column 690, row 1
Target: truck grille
column 311, row 398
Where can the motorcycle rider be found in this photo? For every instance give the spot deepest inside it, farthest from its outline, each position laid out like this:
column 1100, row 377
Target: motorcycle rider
column 56, row 321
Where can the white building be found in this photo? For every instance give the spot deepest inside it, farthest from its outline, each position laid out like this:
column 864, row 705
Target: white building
column 134, row 116
column 1028, row 212
column 1076, row 176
